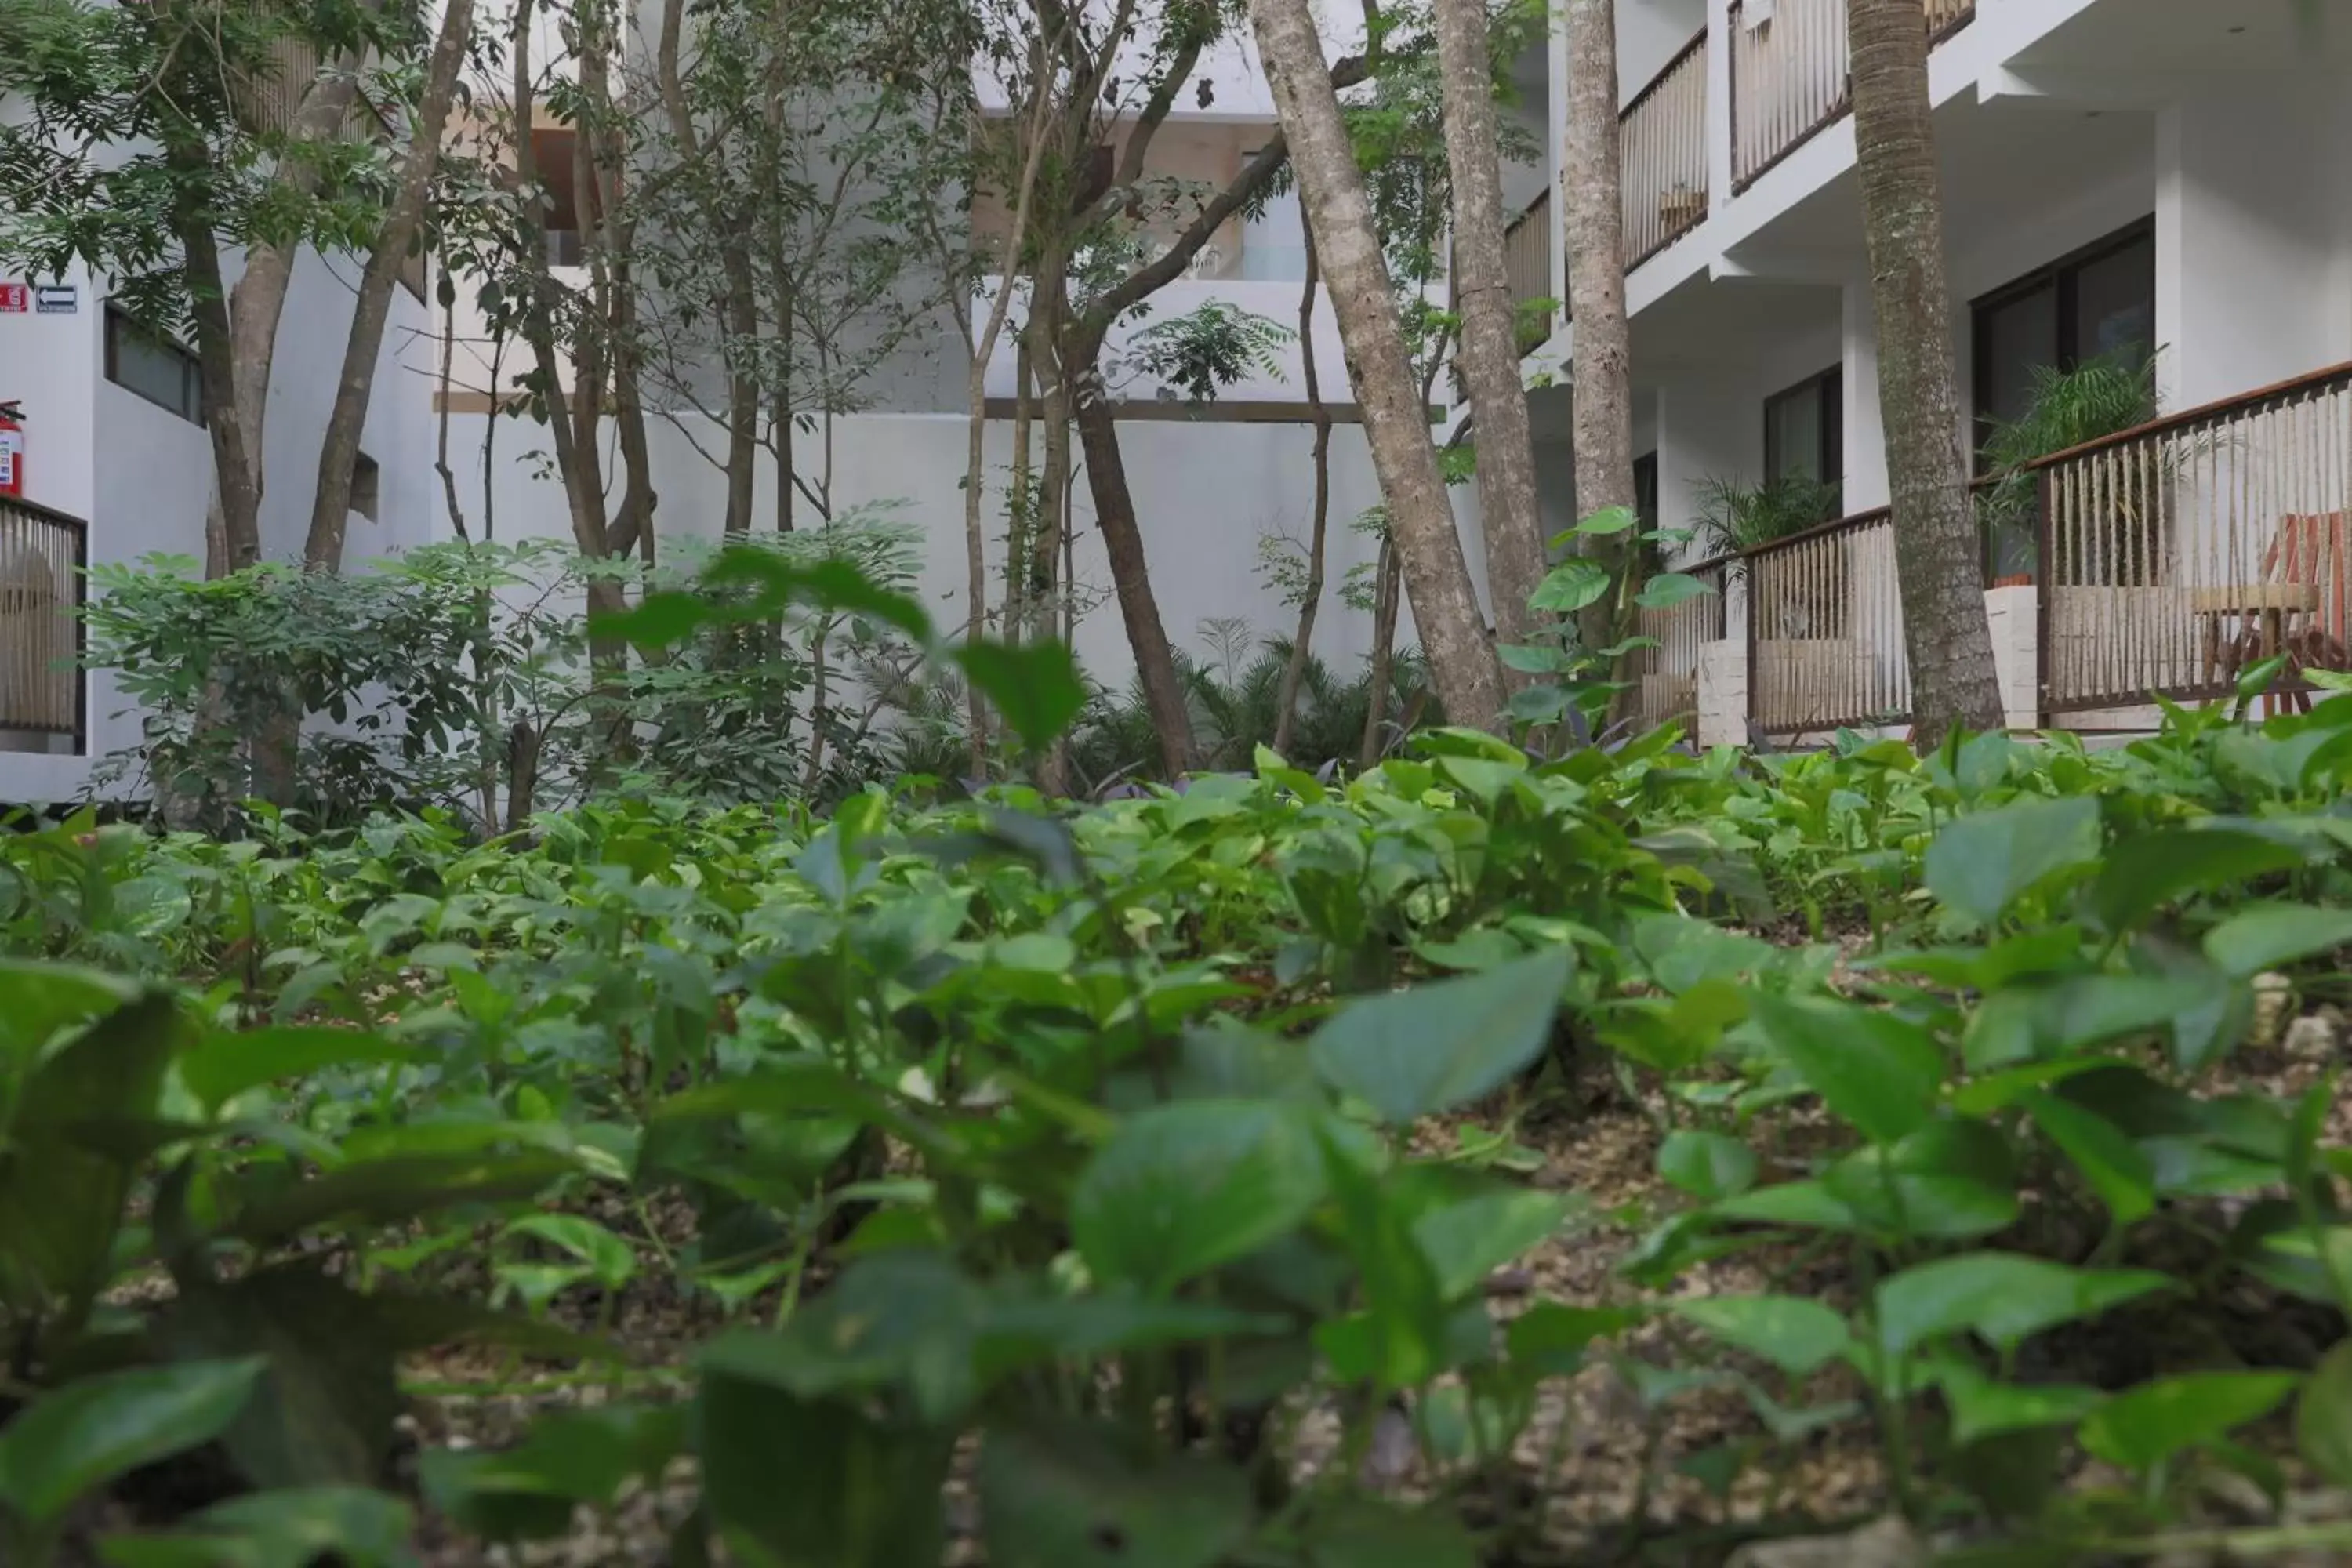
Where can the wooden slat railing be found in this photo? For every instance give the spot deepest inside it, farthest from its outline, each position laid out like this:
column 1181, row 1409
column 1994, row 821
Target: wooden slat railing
column 2173, row 556
column 1665, row 677
column 1788, row 74
column 1825, row 629
column 1663, row 136
column 42, row 555
column 1526, row 255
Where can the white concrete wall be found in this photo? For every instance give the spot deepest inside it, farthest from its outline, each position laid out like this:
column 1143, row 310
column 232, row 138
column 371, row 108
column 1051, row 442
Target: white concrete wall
column 1649, row 34
column 2251, row 245
column 1206, row 493
column 1275, row 301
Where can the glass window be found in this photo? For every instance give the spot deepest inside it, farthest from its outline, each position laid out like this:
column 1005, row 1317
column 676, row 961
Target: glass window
column 152, row 367
column 1804, row 430
column 2096, row 302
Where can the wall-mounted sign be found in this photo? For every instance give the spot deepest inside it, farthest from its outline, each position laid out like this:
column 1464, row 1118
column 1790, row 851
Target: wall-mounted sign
column 57, row 299
column 15, row 299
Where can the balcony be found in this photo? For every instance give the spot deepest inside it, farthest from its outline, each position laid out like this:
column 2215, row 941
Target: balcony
column 1789, row 74
column 42, row 556
column 2165, row 561
column 1664, row 151
column 1527, row 260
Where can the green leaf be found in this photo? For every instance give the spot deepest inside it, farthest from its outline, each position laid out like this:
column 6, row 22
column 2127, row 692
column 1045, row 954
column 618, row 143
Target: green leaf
column 1414, row 1053
column 1983, row 1408
column 1182, row 1188
column 2323, row 1418
column 807, row 1483
column 324, row 1413
column 2149, row 870
column 1609, row 520
column 1980, row 864
column 37, row 999
column 356, row 1527
column 66, row 1443
column 1466, row 1241
column 1871, row 1068
column 61, row 1198
column 663, row 618
column 1667, row 589
column 1067, row 1494
column 393, row 1189
column 228, row 1062
column 1364, row 1532
column 2118, row 1169
column 1707, row 1165
column 1796, row 1335
column 606, row 1255
column 1399, row 1340
column 1570, row 586
column 2269, row 935
column 2004, row 1297
column 1034, row 686
column 1533, row 660
column 2150, row 1423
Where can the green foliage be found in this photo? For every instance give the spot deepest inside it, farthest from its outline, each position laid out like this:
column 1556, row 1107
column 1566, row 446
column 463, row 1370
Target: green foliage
column 1734, row 516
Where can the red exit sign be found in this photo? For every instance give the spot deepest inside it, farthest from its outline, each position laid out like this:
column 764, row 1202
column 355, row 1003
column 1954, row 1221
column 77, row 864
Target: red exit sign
column 15, row 299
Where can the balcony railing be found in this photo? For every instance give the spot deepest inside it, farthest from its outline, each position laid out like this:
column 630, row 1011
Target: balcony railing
column 2175, row 556
column 42, row 555
column 1825, row 629
column 1527, row 256
column 1662, row 146
column 1789, row 74
column 1665, row 677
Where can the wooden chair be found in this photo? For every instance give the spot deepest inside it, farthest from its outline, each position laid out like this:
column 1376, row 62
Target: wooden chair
column 2297, row 609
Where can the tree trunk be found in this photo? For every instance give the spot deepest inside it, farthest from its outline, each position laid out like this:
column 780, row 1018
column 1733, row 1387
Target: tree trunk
column 339, row 449
column 1130, row 576
column 1937, row 561
column 1286, row 705
column 1462, row 660
column 1592, row 208
column 1022, row 501
column 1490, row 340
column 1385, row 595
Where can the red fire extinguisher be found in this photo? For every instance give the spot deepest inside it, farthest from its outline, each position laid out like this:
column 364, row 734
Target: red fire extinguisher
column 12, row 449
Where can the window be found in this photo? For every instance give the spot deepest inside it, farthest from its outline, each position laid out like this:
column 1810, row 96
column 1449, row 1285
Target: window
column 553, row 150
column 1804, row 431
column 1646, row 491
column 152, row 367
column 367, row 486
column 2100, row 300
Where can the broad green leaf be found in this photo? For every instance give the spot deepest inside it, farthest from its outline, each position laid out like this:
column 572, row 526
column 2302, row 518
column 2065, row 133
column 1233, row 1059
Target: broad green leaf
column 1984, row 1408
column 2322, row 1418
column 1667, row 589
column 2269, row 935
column 1073, row 1493
column 1570, row 586
column 65, row 1444
column 2150, row 1423
column 1877, row 1071
column 794, row 1482
column 1796, row 1335
column 1414, row 1053
column 2004, row 1297
column 662, row 618
column 357, row 1527
column 2117, row 1168
column 2147, row 871
column 607, row 1256
column 1609, row 520
column 1364, row 1532
column 393, row 1189
column 1034, row 686
column 1707, row 1165
column 1536, row 659
column 1182, row 1188
column 1467, row 1241
column 1398, row 1339
column 574, row 1456
column 227, row 1063
column 1980, row 864
column 37, row 999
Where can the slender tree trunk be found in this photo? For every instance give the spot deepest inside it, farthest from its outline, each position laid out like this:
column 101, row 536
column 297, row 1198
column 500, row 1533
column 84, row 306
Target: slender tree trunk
column 1320, row 415
column 330, row 509
column 1387, row 588
column 1591, row 205
column 1937, row 561
column 1490, row 347
column 1021, row 500
column 1130, row 581
column 1468, row 677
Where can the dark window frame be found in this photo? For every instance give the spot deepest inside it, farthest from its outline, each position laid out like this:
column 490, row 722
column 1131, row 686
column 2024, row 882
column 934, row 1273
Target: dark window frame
column 191, row 406
column 2063, row 275
column 1646, row 491
column 1828, row 386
